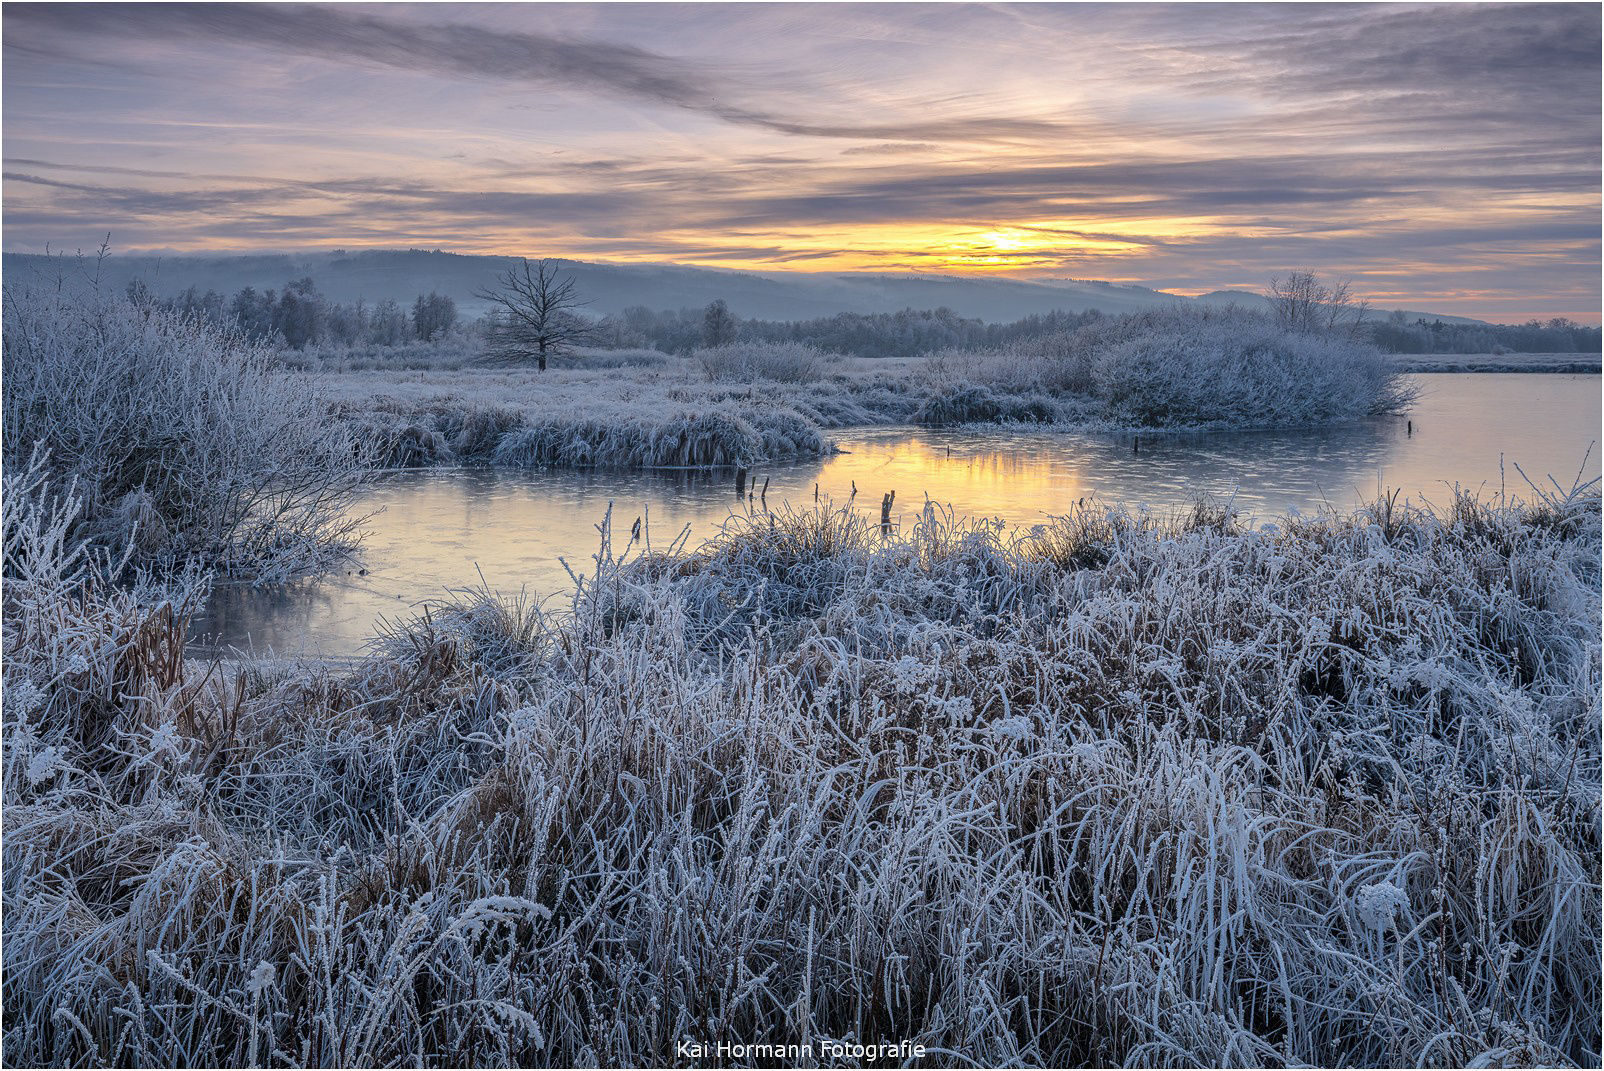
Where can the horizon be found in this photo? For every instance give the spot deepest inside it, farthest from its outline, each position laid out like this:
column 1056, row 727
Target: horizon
column 163, row 254
column 1185, row 149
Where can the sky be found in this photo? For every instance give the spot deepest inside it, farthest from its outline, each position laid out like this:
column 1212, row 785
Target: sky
column 1441, row 156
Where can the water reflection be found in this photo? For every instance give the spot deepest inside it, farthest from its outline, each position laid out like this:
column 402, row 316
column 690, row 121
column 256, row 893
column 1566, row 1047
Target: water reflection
column 442, row 530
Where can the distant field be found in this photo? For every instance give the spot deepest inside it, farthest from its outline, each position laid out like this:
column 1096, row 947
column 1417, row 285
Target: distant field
column 1568, row 363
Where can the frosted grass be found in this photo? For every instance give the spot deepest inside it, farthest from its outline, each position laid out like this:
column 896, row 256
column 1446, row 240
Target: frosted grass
column 1119, row 789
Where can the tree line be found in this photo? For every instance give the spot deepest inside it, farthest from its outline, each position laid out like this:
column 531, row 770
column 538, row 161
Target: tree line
column 1396, row 335
column 912, row 332
column 907, row 333
column 299, row 316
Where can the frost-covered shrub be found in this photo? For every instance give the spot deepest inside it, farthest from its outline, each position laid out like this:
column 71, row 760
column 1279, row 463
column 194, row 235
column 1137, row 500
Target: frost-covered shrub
column 787, row 433
column 80, row 642
column 782, row 362
column 963, row 403
column 414, row 446
column 477, row 430
column 1172, row 367
column 968, row 403
column 708, row 439
column 1030, row 408
column 577, row 418
column 875, row 403
column 1057, row 363
column 1191, row 366
column 182, row 438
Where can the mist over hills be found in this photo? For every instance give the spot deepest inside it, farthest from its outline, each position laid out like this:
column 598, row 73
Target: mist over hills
column 400, row 275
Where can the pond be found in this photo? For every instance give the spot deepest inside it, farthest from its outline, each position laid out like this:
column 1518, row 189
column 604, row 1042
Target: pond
column 438, row 530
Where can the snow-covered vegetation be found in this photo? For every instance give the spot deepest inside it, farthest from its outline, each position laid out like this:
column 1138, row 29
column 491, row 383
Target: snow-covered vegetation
column 737, row 403
column 1233, row 368
column 1114, row 789
column 181, row 440
column 778, row 362
column 583, row 417
column 196, row 443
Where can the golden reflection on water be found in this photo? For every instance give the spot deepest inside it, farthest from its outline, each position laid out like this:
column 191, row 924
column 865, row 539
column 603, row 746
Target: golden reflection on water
column 442, row 530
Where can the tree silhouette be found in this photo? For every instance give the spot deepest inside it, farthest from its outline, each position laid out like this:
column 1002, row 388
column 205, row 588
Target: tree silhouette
column 535, row 314
column 718, row 324
column 1303, row 303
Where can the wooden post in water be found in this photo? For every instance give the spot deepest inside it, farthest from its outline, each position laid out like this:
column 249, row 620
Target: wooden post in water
column 1411, row 429
column 854, row 488
column 1136, row 445
column 815, row 492
column 764, row 496
column 885, row 510
column 740, row 482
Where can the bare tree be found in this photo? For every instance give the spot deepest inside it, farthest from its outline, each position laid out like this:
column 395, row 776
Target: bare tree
column 536, row 315
column 1303, row 303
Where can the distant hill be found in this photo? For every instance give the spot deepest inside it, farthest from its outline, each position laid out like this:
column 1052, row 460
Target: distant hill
column 377, row 275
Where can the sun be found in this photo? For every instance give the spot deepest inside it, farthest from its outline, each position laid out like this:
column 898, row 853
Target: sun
column 1004, row 240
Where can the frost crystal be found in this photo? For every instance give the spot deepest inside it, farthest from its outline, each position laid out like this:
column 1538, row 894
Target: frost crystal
column 909, row 674
column 261, row 978
column 1015, row 728
column 959, row 708
column 1378, row 905
column 165, row 740
column 45, row 765
column 24, row 697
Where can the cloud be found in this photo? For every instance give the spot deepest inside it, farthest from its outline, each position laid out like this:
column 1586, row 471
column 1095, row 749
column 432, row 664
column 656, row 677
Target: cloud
column 460, row 50
column 889, row 148
column 1194, row 144
column 1434, row 71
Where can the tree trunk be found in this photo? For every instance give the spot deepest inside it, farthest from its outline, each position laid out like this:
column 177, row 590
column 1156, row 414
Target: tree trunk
column 542, row 356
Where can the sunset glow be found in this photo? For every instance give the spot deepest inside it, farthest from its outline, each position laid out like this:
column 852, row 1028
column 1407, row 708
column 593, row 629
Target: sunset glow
column 1192, row 148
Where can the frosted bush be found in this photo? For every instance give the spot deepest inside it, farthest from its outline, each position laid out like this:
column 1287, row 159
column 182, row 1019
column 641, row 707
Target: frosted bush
column 711, row 438
column 959, row 404
column 1175, row 367
column 183, row 440
column 781, row 362
column 1188, row 367
column 1055, row 363
column 572, row 419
